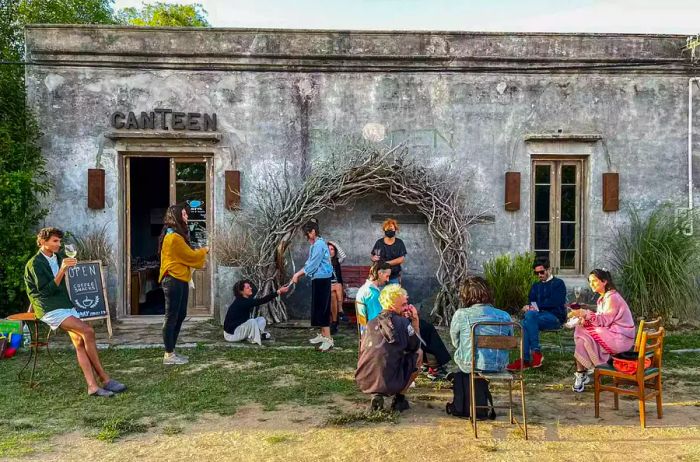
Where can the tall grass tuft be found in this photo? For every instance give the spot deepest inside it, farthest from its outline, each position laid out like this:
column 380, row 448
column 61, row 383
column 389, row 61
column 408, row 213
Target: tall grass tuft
column 94, row 245
column 656, row 266
column 510, row 278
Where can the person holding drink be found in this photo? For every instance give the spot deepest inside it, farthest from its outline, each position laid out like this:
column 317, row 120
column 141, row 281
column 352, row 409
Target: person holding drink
column 44, row 278
column 177, row 258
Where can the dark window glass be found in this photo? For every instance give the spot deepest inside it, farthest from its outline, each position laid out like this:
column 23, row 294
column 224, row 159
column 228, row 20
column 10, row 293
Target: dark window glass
column 568, row 174
column 542, row 203
column 542, row 174
column 195, row 195
column 568, row 258
column 541, row 236
column 542, row 254
column 195, row 171
column 568, row 203
column 568, row 236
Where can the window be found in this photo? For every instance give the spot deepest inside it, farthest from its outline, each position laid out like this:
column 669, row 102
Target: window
column 556, row 213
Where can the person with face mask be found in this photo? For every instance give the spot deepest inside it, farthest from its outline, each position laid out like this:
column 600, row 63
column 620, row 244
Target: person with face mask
column 390, row 249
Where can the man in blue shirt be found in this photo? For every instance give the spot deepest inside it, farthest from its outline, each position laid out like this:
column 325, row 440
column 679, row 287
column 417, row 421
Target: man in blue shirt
column 546, row 311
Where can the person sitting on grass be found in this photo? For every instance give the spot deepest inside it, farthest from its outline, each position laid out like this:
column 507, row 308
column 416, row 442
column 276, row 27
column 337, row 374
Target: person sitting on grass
column 546, row 311
column 390, row 355
column 44, row 277
column 239, row 324
column 477, row 300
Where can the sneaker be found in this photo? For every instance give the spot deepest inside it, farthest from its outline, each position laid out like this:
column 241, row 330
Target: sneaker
column 174, row 360
column 266, row 336
column 377, row 403
column 537, row 359
column 318, row 339
column 186, row 358
column 326, row 344
column 334, row 328
column 517, row 366
column 399, row 403
column 581, row 379
column 437, row 373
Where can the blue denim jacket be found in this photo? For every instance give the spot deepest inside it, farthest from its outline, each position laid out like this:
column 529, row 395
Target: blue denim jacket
column 487, row 359
column 318, row 265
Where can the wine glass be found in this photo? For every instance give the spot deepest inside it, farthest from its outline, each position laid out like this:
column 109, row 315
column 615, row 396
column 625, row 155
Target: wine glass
column 71, row 251
column 577, row 293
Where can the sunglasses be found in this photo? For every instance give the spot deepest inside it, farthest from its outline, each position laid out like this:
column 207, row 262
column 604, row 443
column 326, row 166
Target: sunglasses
column 540, row 272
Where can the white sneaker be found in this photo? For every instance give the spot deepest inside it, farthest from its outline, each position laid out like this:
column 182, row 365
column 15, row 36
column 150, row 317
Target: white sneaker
column 326, row 345
column 581, row 379
column 174, row 360
column 318, row 339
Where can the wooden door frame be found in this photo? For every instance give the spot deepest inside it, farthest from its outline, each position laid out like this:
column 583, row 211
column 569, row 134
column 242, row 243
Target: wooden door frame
column 581, row 205
column 151, row 151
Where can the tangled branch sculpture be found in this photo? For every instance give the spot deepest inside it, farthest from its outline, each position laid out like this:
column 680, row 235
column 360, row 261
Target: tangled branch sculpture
column 285, row 204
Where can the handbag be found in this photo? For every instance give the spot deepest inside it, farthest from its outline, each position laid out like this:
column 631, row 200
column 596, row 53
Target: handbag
column 460, row 404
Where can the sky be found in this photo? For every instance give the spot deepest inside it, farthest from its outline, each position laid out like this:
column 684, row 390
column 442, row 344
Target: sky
column 624, row 16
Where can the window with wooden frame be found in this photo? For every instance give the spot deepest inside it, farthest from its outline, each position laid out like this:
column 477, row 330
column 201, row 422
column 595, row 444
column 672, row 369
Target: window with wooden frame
column 556, row 211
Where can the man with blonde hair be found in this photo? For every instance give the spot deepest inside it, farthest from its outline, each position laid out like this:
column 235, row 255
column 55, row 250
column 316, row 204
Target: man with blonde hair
column 390, row 355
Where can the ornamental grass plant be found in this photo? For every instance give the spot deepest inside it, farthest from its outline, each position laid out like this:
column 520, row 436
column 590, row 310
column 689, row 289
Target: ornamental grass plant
column 510, row 278
column 94, row 245
column 656, row 264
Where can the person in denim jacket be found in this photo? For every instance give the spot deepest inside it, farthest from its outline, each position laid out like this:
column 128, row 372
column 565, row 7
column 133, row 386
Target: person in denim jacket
column 476, row 295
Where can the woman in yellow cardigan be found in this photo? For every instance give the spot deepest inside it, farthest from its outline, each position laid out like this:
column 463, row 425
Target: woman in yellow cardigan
column 177, row 258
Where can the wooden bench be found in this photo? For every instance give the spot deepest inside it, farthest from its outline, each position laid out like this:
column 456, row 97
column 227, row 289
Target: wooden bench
column 353, row 277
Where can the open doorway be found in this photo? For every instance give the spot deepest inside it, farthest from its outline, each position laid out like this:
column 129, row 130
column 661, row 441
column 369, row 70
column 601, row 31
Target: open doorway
column 152, row 184
column 149, row 198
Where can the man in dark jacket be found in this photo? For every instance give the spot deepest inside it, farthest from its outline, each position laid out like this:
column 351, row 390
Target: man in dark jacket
column 390, row 354
column 239, row 324
column 546, row 311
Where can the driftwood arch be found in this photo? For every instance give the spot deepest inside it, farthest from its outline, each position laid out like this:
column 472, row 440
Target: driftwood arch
column 264, row 234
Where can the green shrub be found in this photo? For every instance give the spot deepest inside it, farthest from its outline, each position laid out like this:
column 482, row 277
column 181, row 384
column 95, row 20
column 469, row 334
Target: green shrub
column 656, row 266
column 510, row 278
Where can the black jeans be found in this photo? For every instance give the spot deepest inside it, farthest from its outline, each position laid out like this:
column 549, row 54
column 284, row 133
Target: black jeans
column 176, row 294
column 434, row 344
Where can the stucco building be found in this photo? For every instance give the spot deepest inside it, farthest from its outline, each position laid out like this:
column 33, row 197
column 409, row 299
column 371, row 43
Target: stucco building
column 160, row 115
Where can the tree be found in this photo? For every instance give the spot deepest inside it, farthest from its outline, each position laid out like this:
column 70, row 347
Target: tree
column 165, row 15
column 23, row 179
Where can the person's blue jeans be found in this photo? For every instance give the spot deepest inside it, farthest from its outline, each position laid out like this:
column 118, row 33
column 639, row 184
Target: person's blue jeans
column 533, row 323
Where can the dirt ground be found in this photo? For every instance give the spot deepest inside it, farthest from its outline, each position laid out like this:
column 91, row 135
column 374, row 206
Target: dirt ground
column 562, row 427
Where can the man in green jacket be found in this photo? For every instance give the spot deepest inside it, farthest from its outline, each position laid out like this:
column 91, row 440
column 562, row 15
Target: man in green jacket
column 44, row 276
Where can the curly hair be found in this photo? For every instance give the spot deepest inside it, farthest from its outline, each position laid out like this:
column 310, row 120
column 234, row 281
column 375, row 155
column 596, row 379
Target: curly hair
column 389, row 222
column 45, row 234
column 389, row 294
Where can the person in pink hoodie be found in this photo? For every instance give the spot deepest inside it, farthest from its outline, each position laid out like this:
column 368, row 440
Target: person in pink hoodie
column 610, row 330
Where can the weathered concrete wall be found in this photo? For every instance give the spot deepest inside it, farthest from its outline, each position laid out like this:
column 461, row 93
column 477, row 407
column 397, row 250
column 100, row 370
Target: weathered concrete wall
column 466, row 101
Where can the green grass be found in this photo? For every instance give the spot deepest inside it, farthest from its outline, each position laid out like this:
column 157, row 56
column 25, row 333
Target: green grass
column 220, row 380
column 238, row 376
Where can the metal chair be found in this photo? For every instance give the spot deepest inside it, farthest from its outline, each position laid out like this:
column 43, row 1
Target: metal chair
column 498, row 342
column 35, row 343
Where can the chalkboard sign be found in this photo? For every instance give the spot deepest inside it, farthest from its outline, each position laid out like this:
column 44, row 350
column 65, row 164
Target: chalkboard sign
column 87, row 291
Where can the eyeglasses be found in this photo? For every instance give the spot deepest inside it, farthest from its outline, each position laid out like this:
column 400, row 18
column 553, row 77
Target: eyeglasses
column 540, row 272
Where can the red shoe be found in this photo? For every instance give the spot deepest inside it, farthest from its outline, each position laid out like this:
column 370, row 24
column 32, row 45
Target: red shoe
column 517, row 366
column 537, row 359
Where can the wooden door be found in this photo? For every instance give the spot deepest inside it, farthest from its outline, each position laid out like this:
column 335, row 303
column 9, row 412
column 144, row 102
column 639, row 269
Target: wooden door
column 190, row 182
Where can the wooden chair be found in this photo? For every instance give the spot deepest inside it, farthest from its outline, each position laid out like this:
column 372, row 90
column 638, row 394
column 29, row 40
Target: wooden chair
column 644, row 384
column 498, row 342
column 644, row 325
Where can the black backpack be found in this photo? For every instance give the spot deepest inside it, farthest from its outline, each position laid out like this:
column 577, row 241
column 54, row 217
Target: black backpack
column 459, row 407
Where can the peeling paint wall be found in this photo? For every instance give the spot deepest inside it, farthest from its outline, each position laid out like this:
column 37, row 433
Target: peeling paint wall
column 475, row 121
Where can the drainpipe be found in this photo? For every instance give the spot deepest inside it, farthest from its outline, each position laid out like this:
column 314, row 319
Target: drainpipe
column 690, row 149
